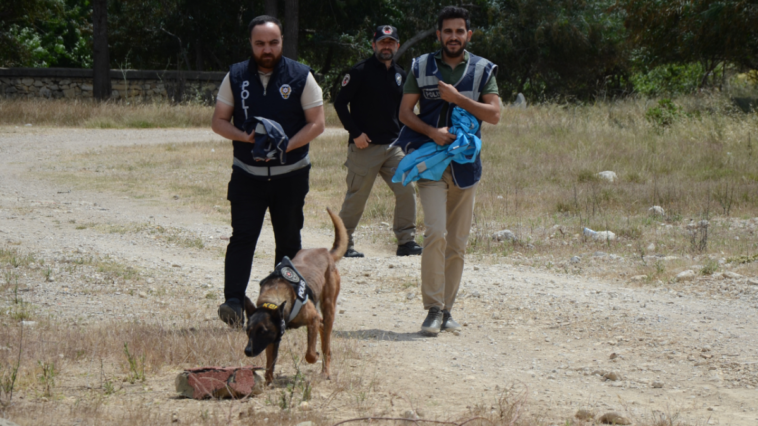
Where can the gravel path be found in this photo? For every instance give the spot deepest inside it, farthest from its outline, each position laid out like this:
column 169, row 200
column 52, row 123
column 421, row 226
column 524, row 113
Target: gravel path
column 660, row 349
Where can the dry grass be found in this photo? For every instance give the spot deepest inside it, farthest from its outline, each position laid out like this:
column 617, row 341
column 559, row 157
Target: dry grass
column 112, row 114
column 106, row 115
column 85, row 372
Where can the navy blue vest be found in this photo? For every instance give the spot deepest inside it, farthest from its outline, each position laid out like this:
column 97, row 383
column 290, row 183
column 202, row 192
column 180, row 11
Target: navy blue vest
column 279, row 101
column 478, row 72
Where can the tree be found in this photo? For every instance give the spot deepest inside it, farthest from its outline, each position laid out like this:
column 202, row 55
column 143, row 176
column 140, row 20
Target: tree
column 101, row 80
column 45, row 33
column 709, row 32
column 291, row 21
column 271, row 8
column 555, row 48
column 407, row 44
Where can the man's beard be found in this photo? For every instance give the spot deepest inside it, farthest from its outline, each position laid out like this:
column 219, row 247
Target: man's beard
column 450, row 54
column 267, row 61
column 384, row 55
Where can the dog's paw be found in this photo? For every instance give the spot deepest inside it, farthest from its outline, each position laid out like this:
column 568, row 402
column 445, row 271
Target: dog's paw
column 311, row 358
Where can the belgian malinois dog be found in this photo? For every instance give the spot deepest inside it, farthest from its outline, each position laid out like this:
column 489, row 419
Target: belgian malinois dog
column 267, row 319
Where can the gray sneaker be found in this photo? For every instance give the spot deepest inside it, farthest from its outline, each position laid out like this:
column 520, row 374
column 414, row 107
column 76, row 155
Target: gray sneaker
column 448, row 323
column 433, row 321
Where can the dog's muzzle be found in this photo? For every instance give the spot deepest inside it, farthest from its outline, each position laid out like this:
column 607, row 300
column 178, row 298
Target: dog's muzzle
column 251, row 350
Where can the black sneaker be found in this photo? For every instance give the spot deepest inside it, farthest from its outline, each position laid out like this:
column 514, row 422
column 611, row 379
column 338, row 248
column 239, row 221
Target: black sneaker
column 409, row 249
column 448, row 323
column 433, row 321
column 352, row 253
column 230, row 312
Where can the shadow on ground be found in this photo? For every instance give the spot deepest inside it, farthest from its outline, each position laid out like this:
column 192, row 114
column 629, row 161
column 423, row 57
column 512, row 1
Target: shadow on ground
column 375, row 334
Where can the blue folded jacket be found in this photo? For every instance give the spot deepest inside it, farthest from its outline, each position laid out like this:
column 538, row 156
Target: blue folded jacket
column 270, row 140
column 430, row 160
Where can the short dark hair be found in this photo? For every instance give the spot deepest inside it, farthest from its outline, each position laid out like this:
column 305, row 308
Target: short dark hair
column 262, row 20
column 453, row 12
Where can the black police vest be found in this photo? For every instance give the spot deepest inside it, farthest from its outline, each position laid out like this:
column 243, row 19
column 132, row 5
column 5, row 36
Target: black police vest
column 279, row 101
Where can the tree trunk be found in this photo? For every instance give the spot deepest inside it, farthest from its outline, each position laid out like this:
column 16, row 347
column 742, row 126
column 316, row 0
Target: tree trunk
column 198, row 55
column 290, row 28
column 413, row 40
column 101, row 80
column 328, row 62
column 270, row 8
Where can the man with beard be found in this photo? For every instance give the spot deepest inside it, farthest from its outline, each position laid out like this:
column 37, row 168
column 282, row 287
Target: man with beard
column 373, row 88
column 439, row 82
column 279, row 89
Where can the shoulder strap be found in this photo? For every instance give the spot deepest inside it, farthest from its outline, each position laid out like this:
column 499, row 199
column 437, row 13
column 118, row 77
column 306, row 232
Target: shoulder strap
column 285, row 269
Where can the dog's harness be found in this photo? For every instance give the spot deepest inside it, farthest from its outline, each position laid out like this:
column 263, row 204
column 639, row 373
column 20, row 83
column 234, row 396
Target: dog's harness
column 285, row 269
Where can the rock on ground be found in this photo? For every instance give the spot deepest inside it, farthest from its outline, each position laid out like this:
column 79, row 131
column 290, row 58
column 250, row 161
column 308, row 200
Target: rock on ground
column 604, row 236
column 608, row 175
column 504, row 235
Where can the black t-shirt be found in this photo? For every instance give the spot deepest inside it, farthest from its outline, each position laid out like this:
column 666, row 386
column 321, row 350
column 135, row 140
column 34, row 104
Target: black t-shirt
column 374, row 93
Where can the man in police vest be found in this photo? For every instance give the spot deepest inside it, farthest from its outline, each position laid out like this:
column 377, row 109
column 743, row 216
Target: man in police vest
column 373, row 88
column 283, row 90
column 438, row 82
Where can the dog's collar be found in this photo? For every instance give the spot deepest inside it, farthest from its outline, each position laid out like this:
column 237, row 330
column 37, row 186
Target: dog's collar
column 285, row 269
column 274, row 307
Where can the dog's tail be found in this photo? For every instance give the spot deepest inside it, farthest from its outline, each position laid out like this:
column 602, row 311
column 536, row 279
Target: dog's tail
column 340, row 237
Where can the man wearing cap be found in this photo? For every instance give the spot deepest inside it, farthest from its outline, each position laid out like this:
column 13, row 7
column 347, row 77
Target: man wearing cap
column 439, row 82
column 267, row 93
column 374, row 88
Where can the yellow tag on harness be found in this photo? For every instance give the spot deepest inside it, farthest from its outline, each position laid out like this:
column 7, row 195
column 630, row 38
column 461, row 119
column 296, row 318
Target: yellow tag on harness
column 269, row 306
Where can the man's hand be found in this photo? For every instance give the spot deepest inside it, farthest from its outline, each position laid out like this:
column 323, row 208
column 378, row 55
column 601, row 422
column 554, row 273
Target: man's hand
column 221, row 124
column 442, row 136
column 448, row 92
column 248, row 137
column 362, row 141
column 315, row 124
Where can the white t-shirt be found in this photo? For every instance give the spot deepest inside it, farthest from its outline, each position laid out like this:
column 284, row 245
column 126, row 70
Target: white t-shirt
column 311, row 98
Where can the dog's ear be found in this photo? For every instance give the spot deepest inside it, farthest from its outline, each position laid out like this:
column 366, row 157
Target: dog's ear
column 280, row 310
column 249, row 307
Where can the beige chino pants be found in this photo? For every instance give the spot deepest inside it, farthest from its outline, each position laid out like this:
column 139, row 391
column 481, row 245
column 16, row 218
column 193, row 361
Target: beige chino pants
column 448, row 212
column 363, row 165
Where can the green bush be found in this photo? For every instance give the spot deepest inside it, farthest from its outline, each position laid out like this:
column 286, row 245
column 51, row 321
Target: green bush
column 665, row 114
column 668, row 79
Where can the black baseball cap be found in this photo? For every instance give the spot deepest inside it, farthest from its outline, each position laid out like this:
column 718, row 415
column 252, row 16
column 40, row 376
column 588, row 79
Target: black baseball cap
column 386, row 31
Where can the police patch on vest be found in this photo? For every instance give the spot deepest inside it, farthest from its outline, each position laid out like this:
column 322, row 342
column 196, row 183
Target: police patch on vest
column 346, row 80
column 431, row 93
column 285, row 90
column 398, row 78
column 290, row 275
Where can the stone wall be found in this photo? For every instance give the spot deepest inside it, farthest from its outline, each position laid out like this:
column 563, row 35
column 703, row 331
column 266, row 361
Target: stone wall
column 129, row 85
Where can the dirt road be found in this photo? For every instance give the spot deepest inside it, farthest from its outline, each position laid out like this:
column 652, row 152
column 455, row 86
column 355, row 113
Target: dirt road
column 668, row 351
